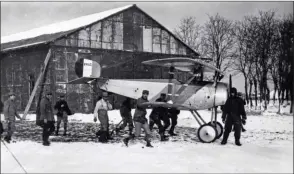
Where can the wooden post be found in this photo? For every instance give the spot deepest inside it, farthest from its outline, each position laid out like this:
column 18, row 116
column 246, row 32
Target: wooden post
column 43, row 69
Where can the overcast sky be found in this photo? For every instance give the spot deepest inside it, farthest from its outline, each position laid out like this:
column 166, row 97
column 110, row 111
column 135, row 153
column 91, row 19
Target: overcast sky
column 21, row 16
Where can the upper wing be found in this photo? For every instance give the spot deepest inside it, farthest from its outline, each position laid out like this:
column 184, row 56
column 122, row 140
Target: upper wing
column 183, row 64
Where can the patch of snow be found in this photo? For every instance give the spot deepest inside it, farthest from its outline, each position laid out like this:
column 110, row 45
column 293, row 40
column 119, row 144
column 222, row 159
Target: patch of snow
column 62, row 26
column 267, row 147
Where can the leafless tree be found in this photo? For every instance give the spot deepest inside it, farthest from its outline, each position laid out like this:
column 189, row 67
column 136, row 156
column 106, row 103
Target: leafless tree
column 189, row 32
column 218, row 40
column 243, row 62
column 285, row 71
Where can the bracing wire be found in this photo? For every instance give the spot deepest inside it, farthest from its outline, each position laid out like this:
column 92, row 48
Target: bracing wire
column 14, row 157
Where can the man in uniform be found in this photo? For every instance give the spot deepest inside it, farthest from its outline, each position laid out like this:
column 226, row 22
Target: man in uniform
column 10, row 112
column 173, row 115
column 232, row 112
column 158, row 114
column 62, row 114
column 101, row 112
column 47, row 117
column 140, row 120
column 125, row 112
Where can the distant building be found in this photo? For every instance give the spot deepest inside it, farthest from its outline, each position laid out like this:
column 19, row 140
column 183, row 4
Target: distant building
column 125, row 34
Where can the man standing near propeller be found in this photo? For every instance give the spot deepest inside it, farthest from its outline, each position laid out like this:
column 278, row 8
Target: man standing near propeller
column 232, row 112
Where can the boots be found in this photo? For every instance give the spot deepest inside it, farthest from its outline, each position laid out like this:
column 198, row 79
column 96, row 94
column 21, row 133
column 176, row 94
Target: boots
column 237, row 142
column 131, row 131
column 103, row 137
column 108, row 136
column 7, row 138
column 126, row 141
column 148, row 143
column 225, row 138
column 163, row 137
column 65, row 129
column 57, row 130
column 98, row 133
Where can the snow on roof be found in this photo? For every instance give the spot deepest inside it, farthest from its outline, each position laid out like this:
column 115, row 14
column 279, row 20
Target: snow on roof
column 12, row 48
column 62, row 26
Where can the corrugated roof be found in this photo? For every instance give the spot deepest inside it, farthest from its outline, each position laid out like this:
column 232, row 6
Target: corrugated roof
column 52, row 31
column 48, row 33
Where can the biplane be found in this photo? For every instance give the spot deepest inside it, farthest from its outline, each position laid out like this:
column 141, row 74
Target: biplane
column 192, row 95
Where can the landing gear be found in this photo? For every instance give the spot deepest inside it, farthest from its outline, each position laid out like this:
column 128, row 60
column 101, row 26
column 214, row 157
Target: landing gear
column 208, row 132
column 219, row 128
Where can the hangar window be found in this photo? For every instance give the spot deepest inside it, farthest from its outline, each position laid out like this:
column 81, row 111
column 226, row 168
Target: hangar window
column 107, row 34
column 72, row 40
column 165, row 42
column 147, row 39
column 118, row 35
column 156, row 40
column 173, row 46
column 84, row 38
column 96, row 35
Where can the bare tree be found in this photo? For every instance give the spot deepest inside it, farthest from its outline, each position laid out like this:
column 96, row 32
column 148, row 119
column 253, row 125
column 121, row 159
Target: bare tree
column 285, row 58
column 189, row 32
column 243, row 62
column 266, row 24
column 218, row 40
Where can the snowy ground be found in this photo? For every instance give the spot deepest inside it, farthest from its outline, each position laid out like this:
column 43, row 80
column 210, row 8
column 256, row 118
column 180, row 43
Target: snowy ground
column 267, row 147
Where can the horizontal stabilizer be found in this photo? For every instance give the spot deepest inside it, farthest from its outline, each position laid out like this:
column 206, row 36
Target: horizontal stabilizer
column 82, row 80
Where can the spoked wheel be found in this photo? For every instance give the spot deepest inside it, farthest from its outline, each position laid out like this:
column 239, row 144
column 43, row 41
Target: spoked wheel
column 207, row 133
column 219, row 128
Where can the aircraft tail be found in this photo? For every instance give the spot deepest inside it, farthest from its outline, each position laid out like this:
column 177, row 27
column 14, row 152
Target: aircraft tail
column 87, row 70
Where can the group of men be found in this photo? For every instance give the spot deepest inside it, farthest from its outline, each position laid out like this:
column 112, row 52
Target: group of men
column 139, row 121
column 233, row 115
column 47, row 120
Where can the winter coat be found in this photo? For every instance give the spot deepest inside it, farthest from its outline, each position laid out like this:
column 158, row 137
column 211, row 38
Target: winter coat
column 46, row 109
column 61, row 106
column 140, row 112
column 160, row 110
column 173, row 112
column 10, row 111
column 234, row 109
column 126, row 107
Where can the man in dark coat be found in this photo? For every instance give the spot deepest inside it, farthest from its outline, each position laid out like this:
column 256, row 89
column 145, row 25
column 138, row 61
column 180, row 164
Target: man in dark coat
column 10, row 112
column 173, row 115
column 140, row 120
column 232, row 112
column 47, row 117
column 125, row 112
column 62, row 114
column 158, row 114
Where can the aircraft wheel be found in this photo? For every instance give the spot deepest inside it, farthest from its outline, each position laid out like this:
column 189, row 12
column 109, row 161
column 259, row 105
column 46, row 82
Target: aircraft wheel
column 219, row 129
column 206, row 133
